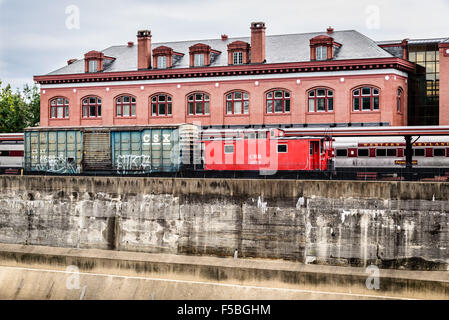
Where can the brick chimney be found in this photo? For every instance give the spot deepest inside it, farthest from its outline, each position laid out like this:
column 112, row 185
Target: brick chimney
column 258, row 42
column 330, row 30
column 143, row 49
column 224, row 37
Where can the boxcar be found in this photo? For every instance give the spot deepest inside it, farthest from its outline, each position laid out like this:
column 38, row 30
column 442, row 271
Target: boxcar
column 263, row 150
column 108, row 150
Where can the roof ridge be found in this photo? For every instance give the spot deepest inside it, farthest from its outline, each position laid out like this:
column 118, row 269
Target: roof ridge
column 243, row 37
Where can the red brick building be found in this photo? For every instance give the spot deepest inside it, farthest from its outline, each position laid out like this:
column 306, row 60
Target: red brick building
column 331, row 78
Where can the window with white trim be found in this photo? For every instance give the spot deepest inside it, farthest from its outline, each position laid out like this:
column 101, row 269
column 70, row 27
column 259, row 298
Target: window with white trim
column 321, row 100
column 161, row 105
column 59, row 108
column 229, row 149
column 282, row 148
column 237, row 102
column 199, row 60
column 162, row 62
column 92, row 107
column 238, row 57
column 278, row 101
column 125, row 106
column 321, row 53
column 198, row 104
column 366, row 99
column 93, row 65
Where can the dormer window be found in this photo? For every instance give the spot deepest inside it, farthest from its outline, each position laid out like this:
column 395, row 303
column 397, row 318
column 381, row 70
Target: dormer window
column 199, row 60
column 93, row 61
column 93, row 66
column 321, row 53
column 238, row 52
column 163, row 57
column 200, row 55
column 238, row 57
column 322, row 48
column 161, row 62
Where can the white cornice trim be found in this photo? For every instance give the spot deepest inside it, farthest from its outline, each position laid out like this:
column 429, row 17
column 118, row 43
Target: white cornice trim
column 299, row 75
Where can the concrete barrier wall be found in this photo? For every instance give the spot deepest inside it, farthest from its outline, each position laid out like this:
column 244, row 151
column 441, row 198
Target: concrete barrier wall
column 391, row 224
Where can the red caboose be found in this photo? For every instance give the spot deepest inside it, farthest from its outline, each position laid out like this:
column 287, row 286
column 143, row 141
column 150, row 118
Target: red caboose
column 264, row 150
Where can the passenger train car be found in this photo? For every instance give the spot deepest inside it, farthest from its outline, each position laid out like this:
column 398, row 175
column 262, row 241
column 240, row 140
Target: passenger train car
column 11, row 153
column 387, row 154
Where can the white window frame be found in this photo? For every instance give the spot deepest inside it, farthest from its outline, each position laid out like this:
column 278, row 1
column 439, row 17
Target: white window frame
column 237, row 57
column 321, row 53
column 282, row 144
column 93, row 66
column 198, row 60
column 162, row 62
column 229, row 146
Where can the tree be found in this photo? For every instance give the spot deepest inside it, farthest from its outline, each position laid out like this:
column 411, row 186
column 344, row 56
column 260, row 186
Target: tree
column 32, row 98
column 18, row 110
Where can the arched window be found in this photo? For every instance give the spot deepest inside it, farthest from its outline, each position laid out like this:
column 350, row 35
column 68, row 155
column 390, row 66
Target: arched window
column 125, row 106
column 59, row 108
column 91, row 107
column 399, row 99
column 321, row 100
column 366, row 99
column 161, row 105
column 237, row 102
column 198, row 104
column 278, row 101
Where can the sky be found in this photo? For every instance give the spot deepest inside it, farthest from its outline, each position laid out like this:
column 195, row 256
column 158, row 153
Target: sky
column 37, row 37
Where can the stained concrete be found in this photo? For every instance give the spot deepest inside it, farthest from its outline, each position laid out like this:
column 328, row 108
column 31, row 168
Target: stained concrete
column 390, row 224
column 37, row 272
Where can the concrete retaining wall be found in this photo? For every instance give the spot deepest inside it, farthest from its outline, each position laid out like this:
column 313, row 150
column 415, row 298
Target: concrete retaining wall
column 391, row 224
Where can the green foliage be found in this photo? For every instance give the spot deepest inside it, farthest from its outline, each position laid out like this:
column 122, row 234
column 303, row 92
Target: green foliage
column 20, row 109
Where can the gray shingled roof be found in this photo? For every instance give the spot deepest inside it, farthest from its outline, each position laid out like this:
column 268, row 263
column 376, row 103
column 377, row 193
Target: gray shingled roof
column 279, row 49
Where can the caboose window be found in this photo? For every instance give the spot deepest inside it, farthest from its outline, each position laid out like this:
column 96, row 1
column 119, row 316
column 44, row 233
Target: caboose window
column 229, row 149
column 439, row 152
column 363, row 152
column 282, row 148
column 342, row 152
column 365, row 99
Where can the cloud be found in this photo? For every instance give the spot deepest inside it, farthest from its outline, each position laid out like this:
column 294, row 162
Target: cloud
column 34, row 38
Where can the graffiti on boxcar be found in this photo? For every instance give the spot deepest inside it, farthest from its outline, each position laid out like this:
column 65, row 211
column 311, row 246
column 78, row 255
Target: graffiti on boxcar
column 126, row 164
column 57, row 164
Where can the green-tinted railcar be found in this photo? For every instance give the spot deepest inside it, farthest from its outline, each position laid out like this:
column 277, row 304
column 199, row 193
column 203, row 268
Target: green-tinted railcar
column 109, row 150
column 146, row 151
column 53, row 151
